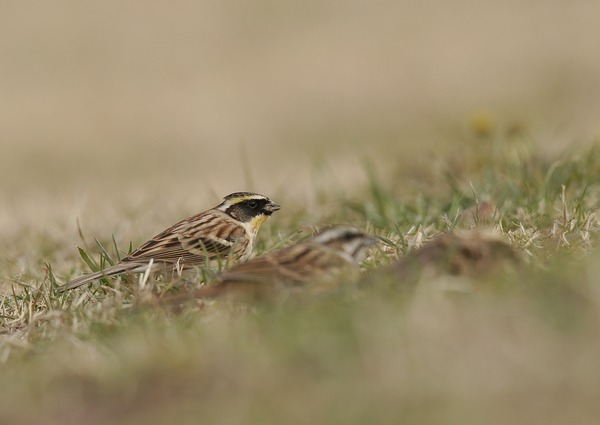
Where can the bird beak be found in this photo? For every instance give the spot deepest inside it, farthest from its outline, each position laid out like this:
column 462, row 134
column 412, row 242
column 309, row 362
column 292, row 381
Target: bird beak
column 368, row 242
column 371, row 240
column 362, row 247
column 271, row 207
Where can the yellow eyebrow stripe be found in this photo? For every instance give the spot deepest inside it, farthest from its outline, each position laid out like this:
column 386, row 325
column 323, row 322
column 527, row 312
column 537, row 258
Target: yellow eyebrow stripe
column 245, row 198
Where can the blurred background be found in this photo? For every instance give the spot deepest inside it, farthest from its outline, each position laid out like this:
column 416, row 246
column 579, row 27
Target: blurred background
column 154, row 104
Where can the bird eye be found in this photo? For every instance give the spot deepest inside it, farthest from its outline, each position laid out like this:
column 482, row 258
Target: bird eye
column 252, row 204
column 348, row 236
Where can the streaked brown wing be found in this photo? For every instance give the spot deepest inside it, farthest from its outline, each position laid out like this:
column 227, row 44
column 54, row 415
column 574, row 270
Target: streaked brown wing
column 194, row 240
column 292, row 265
column 257, row 270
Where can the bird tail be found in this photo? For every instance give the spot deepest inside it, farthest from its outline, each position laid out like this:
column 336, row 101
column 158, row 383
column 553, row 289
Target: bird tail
column 111, row 271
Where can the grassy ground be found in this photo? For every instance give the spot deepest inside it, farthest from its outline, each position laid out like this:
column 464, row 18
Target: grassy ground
column 405, row 119
column 516, row 346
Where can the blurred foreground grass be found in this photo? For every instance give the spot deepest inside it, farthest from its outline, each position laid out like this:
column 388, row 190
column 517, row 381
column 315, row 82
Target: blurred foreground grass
column 520, row 346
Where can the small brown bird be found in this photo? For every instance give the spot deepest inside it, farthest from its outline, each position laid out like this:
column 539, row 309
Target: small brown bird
column 226, row 231
column 471, row 253
column 328, row 256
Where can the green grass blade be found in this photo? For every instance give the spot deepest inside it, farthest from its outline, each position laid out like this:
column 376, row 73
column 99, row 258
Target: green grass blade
column 88, row 260
column 104, row 254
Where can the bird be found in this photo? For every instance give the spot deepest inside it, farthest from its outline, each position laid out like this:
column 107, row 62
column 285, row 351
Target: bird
column 226, row 232
column 472, row 254
column 330, row 255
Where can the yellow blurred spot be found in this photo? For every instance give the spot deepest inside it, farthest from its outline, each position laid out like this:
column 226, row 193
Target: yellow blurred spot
column 482, row 124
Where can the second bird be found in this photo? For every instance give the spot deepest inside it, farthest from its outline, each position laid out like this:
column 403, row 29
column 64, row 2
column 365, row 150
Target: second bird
column 329, row 257
column 225, row 231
